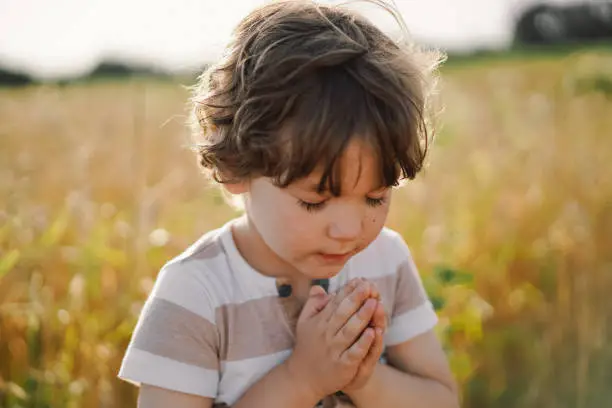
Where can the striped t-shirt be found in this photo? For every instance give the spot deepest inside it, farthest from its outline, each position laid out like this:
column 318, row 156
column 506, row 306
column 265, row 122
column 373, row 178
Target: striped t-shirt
column 212, row 325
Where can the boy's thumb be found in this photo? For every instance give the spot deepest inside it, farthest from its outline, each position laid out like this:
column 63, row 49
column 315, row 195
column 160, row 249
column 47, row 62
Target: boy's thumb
column 317, row 290
column 317, row 299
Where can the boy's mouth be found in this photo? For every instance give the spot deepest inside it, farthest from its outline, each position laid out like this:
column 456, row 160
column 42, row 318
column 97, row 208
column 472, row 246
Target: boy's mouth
column 334, row 259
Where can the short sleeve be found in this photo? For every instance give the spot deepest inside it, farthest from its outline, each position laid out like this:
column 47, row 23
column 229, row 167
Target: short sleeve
column 175, row 343
column 412, row 312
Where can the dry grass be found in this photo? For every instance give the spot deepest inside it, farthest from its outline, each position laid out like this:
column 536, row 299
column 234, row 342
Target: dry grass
column 511, row 225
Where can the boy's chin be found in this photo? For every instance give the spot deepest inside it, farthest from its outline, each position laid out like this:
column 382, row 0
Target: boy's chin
column 325, row 272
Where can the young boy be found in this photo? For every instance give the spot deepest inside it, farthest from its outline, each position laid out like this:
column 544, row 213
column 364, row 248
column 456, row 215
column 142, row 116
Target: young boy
column 311, row 117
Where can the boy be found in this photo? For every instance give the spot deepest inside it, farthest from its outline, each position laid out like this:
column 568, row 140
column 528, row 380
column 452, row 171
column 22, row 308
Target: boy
column 311, row 117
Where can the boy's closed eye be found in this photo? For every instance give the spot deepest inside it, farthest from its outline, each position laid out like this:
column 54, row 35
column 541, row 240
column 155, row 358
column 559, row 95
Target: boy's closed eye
column 319, row 204
column 311, row 198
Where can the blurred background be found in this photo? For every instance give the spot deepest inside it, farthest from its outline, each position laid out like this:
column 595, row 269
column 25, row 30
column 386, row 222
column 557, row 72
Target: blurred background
column 510, row 224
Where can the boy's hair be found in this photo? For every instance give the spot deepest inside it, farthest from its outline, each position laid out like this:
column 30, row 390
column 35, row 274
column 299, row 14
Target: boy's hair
column 297, row 83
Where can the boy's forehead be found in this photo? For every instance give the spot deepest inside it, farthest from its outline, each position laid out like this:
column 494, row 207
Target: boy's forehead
column 359, row 170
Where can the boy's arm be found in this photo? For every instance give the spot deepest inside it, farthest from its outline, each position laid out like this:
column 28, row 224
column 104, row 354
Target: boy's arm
column 276, row 389
column 279, row 389
column 418, row 375
column 155, row 397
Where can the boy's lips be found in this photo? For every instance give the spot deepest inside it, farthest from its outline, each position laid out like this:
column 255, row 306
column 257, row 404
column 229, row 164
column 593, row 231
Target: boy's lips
column 335, row 258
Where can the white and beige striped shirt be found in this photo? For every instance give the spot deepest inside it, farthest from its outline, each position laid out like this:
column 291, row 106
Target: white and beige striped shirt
column 212, row 326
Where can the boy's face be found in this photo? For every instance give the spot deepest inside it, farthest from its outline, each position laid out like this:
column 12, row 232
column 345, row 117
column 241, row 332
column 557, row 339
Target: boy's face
column 316, row 234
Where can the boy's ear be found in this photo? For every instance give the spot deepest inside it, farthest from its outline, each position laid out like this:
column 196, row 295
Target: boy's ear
column 239, row 187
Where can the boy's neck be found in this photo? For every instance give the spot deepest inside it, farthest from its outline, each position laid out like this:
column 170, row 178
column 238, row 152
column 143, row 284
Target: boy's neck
column 260, row 257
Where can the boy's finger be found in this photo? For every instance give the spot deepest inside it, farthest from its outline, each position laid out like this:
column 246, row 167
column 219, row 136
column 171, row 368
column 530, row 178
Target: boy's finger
column 356, row 324
column 379, row 319
column 369, row 362
column 360, row 348
column 317, row 300
column 371, row 359
column 347, row 308
column 338, row 297
column 369, row 287
column 374, row 292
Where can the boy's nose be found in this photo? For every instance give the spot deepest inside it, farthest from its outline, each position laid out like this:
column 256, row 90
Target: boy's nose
column 345, row 227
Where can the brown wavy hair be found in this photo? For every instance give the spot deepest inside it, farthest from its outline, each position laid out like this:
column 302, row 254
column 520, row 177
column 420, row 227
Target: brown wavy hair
column 299, row 81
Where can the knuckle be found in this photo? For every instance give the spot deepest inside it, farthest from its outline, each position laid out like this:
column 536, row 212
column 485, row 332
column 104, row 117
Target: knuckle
column 335, row 358
column 347, row 331
column 356, row 349
column 321, row 327
column 347, row 361
column 339, row 317
column 345, row 305
column 354, row 356
column 357, row 295
column 365, row 310
column 328, row 337
column 349, row 287
column 366, row 342
column 336, row 300
column 332, row 341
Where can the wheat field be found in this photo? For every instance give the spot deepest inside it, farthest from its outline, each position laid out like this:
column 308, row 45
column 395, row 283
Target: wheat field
column 510, row 225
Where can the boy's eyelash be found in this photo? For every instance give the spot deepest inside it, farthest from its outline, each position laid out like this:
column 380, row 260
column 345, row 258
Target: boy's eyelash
column 375, row 202
column 312, row 207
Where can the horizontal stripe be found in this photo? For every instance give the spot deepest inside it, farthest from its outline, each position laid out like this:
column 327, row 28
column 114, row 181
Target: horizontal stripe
column 264, row 326
column 410, row 324
column 140, row 367
column 207, row 250
column 409, row 290
column 205, row 271
column 206, row 247
column 171, row 331
column 239, row 376
column 186, row 284
column 394, row 247
column 386, row 287
column 249, row 329
column 252, row 329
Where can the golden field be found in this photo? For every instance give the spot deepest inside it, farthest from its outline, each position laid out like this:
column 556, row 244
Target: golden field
column 510, row 224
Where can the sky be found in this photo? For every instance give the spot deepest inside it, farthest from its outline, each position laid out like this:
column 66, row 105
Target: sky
column 61, row 38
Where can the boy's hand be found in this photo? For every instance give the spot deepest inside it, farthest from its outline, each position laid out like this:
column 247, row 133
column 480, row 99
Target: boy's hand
column 332, row 338
column 379, row 323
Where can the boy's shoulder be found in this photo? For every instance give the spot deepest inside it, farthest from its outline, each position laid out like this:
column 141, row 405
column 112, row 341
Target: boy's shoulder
column 203, row 251
column 388, row 245
column 390, row 238
column 202, row 258
column 383, row 258
column 205, row 275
